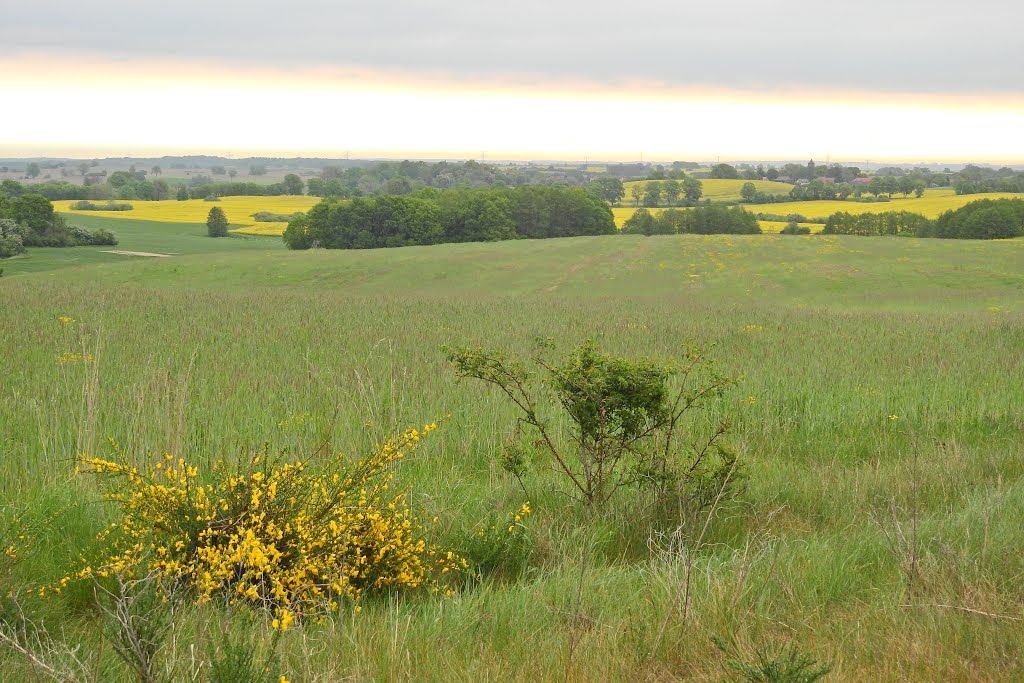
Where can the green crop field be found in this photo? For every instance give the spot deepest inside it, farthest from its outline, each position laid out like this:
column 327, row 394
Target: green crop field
column 877, row 415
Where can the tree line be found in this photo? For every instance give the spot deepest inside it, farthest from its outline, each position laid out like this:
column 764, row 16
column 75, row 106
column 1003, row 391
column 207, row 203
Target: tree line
column 702, row 220
column 977, row 179
column 431, row 216
column 30, row 221
column 981, row 219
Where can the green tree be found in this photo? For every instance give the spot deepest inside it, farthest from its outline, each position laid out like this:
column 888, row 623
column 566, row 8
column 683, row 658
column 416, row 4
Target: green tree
column 217, row 223
column 33, row 210
column 32, row 170
column 748, row 192
column 293, row 184
column 671, row 189
column 637, row 193
column 692, row 189
column 640, row 223
column 652, row 195
column 724, row 171
column 608, row 188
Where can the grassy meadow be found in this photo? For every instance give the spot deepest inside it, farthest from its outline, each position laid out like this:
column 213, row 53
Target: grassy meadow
column 877, row 413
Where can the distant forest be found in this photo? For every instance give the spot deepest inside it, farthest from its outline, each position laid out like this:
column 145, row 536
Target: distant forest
column 202, row 177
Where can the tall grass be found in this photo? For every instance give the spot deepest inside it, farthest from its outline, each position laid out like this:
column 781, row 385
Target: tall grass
column 880, row 391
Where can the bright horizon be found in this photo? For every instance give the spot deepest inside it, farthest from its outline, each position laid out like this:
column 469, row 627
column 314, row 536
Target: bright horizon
column 880, row 81
column 95, row 107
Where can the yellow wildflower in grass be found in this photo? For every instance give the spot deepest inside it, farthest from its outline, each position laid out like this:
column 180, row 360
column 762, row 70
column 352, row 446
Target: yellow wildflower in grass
column 501, row 546
column 65, row 319
column 893, row 418
column 297, row 538
column 73, row 358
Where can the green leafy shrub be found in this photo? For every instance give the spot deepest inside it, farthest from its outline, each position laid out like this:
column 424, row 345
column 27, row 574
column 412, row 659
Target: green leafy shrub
column 268, row 217
column 624, row 417
column 793, row 228
column 500, row 545
column 85, row 205
column 788, row 665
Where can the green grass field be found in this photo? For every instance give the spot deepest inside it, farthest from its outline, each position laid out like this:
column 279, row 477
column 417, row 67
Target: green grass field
column 880, row 392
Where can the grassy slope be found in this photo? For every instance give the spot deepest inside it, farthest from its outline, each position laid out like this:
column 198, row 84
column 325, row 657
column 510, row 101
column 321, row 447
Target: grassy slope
column 137, row 235
column 211, row 353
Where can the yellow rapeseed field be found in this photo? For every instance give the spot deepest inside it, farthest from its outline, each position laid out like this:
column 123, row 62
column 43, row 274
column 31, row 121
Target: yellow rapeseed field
column 239, row 211
column 931, row 205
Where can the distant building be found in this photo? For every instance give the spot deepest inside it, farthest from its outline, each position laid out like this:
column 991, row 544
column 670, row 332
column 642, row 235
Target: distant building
column 826, row 180
column 861, row 181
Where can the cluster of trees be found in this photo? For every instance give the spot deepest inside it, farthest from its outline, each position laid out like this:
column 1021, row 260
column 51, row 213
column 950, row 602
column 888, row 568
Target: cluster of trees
column 86, row 205
column 792, row 172
column 431, row 216
column 977, row 179
column 703, row 220
column 30, row 221
column 202, row 187
column 873, row 224
column 407, row 177
column 982, row 219
column 672, row 192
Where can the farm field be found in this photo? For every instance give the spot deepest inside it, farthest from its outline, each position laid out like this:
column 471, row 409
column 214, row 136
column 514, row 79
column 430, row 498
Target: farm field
column 878, row 391
column 239, row 211
column 934, row 202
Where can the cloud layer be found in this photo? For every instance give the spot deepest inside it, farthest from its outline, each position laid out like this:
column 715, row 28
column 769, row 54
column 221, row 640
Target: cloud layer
column 906, row 46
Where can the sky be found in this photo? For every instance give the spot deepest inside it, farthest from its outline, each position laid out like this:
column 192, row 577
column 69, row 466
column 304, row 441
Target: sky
column 554, row 79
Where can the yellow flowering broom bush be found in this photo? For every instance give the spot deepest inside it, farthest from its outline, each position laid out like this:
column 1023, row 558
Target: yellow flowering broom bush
column 297, row 538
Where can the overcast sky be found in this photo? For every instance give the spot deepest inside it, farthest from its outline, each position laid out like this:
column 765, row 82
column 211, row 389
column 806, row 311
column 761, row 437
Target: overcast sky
column 891, row 45
column 682, row 79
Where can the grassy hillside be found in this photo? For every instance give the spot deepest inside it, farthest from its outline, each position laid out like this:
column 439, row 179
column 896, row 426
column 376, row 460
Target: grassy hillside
column 176, row 238
column 876, row 394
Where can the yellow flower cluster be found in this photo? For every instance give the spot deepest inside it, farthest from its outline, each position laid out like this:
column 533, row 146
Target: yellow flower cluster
column 502, row 544
column 70, row 358
column 294, row 537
